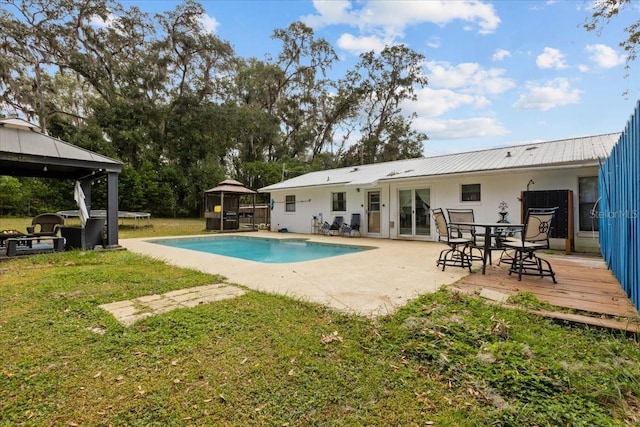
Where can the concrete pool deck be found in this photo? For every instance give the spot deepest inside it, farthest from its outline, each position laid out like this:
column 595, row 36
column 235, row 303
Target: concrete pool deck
column 371, row 283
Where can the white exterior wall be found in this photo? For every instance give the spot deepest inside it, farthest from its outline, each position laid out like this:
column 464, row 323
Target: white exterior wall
column 496, row 187
column 312, row 202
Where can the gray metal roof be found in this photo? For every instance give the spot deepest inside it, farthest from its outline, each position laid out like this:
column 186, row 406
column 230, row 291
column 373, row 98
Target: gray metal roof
column 583, row 151
column 230, row 186
column 25, row 151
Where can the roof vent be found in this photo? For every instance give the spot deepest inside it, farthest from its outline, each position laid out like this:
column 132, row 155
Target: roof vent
column 508, row 154
column 532, row 148
column 354, row 170
column 392, row 173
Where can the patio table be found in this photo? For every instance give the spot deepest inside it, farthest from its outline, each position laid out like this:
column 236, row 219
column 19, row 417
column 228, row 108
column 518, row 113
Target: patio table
column 489, row 235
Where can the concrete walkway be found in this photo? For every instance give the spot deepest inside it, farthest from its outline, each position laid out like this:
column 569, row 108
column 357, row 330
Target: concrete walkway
column 372, row 283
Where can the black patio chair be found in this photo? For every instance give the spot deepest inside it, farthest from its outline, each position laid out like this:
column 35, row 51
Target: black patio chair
column 84, row 238
column 468, row 231
column 534, row 237
column 353, row 226
column 336, row 226
column 453, row 256
column 46, row 224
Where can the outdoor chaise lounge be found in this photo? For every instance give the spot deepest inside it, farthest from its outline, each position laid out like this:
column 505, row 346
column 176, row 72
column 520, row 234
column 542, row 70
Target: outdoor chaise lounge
column 334, row 227
column 353, row 226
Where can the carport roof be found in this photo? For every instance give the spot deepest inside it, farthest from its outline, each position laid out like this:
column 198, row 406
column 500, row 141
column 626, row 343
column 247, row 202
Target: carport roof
column 26, row 151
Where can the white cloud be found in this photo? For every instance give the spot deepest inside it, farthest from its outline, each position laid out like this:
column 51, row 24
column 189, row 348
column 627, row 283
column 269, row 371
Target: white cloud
column 436, row 102
column 551, row 58
column 583, row 68
column 555, row 93
column 358, row 45
column 464, row 128
column 433, row 42
column 392, row 17
column 500, row 54
column 468, row 76
column 209, row 23
column 604, row 56
column 331, row 12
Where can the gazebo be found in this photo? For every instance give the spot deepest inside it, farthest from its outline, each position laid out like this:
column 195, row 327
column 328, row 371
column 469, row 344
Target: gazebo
column 27, row 152
column 222, row 205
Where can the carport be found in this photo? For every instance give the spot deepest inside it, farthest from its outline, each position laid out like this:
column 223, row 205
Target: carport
column 27, row 152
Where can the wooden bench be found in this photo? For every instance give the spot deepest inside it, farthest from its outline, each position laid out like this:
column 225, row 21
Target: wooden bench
column 25, row 245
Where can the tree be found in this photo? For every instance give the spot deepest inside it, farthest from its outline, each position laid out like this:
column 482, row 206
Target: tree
column 381, row 83
column 604, row 11
column 11, row 195
column 171, row 100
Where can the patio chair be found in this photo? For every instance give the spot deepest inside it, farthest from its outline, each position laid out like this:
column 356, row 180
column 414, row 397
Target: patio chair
column 353, row 226
column 468, row 231
column 514, row 235
column 452, row 256
column 336, row 226
column 535, row 237
column 84, row 238
column 46, row 224
column 324, row 228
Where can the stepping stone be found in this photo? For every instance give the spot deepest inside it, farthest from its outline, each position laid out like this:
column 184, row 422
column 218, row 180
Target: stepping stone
column 130, row 311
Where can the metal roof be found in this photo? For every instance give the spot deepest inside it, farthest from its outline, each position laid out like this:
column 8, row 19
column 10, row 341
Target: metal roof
column 230, row 186
column 583, row 151
column 25, row 151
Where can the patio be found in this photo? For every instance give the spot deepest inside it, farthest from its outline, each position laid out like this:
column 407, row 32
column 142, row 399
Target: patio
column 585, row 286
column 377, row 282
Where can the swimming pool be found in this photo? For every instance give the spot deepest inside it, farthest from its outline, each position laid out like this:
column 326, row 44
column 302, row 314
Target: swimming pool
column 262, row 249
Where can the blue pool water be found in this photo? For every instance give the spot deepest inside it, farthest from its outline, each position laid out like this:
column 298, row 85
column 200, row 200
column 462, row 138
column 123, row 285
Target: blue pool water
column 260, row 249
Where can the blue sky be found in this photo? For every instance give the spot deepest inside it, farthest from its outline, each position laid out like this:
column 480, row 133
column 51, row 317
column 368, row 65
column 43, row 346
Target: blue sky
column 500, row 73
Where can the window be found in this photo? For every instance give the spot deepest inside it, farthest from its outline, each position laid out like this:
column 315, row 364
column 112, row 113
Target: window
column 587, row 203
column 470, row 193
column 339, row 202
column 290, row 204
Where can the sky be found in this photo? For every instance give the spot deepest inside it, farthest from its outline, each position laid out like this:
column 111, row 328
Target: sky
column 499, row 73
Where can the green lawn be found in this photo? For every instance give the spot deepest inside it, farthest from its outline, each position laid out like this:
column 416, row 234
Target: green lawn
column 259, row 359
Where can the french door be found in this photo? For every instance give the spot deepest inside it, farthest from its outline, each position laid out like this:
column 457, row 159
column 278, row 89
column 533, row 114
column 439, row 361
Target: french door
column 414, row 212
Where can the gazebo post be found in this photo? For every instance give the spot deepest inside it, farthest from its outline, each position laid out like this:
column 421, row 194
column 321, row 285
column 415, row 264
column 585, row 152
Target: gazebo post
column 222, row 211
column 112, row 210
column 253, row 214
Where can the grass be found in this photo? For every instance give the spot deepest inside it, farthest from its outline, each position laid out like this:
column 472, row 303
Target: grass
column 261, row 359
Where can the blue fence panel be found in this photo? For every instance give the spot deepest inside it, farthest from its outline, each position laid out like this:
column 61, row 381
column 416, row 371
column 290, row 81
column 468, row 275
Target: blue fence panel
column 619, row 208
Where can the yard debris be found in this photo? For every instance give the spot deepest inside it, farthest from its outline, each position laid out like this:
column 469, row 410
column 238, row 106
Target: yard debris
column 329, row 338
column 500, row 328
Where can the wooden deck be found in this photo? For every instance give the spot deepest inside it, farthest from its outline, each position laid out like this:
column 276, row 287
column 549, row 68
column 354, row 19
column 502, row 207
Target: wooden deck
column 584, row 284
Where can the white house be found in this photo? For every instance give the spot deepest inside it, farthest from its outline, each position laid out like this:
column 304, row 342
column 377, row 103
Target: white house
column 394, row 198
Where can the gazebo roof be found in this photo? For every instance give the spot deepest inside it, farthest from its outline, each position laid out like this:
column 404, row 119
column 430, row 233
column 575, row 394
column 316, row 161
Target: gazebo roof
column 230, row 186
column 26, row 151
